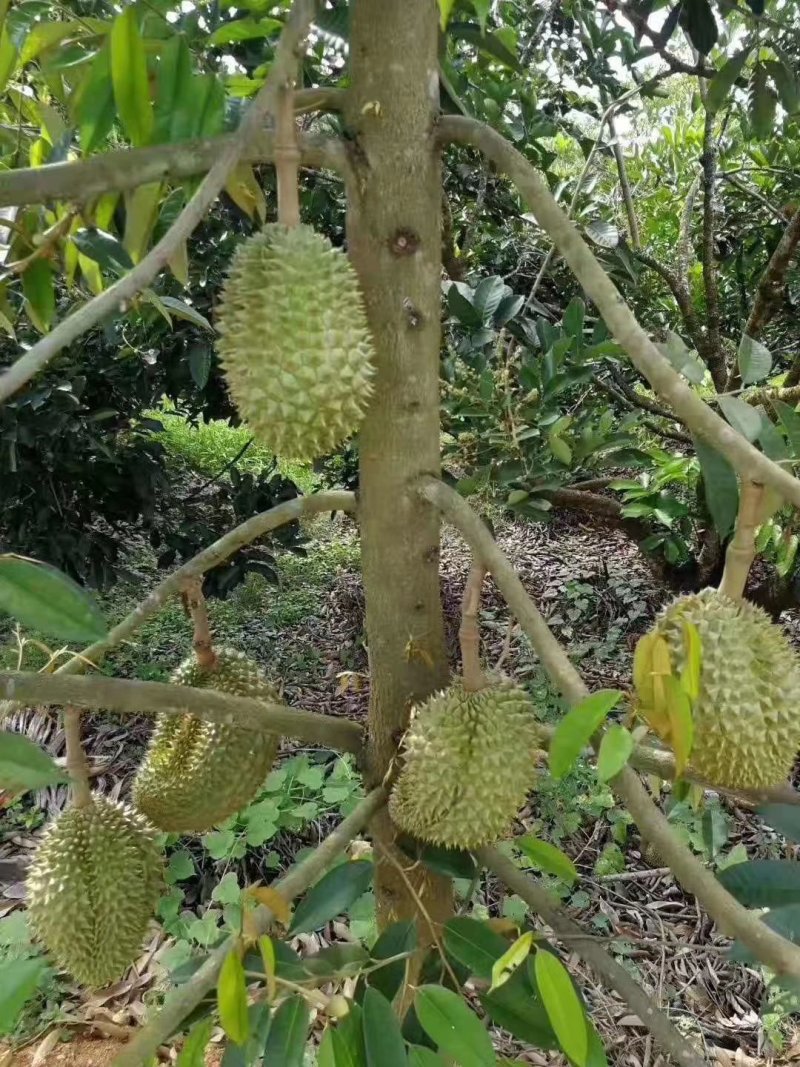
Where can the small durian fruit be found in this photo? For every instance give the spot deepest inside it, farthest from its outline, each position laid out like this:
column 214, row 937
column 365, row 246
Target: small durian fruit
column 294, row 342
column 195, row 773
column 92, row 889
column 469, row 761
column 747, row 714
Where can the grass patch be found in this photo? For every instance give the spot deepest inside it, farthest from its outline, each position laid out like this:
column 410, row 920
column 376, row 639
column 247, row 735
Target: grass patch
column 208, row 445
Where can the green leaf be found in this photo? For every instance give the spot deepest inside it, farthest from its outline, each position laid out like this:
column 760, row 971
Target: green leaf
column 194, row 1047
column 575, row 730
column 18, row 982
column 784, row 921
column 398, row 938
column 763, row 102
column 700, row 25
column 247, row 29
column 185, row 311
column 604, row 234
column 755, row 360
column 682, row 358
column 176, row 103
column 332, row 895
column 94, row 109
column 211, row 110
column 785, row 818
column 785, row 82
column 459, row 1033
column 742, row 416
column 445, row 10
column 517, row 1007
column 560, row 449
column 547, row 857
column 419, row 1056
column 615, row 751
column 39, row 292
column 720, row 86
column 574, row 316
column 8, row 58
column 104, row 249
column 200, row 364
column 720, row 485
column 562, row 1005
column 451, row 862
column 232, row 999
column 383, row 1039
column 286, row 1042
column 763, row 883
column 771, row 439
column 473, row 944
column 42, row 598
column 129, row 77
column 23, row 765
column 790, row 420
column 497, row 45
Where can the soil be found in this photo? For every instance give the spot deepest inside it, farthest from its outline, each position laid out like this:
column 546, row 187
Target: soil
column 80, row 1052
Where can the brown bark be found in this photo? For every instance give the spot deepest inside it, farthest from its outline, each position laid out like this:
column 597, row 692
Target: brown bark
column 394, row 236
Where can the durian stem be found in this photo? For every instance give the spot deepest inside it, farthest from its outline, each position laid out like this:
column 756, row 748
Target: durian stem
column 287, row 159
column 741, row 551
column 76, row 759
column 604, row 965
column 469, row 633
column 243, row 534
column 733, row 919
column 202, row 642
column 185, row 998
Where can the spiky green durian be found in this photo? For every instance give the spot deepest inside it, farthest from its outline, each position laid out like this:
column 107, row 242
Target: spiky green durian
column 294, row 342
column 468, row 765
column 747, row 715
column 92, row 888
column 195, row 773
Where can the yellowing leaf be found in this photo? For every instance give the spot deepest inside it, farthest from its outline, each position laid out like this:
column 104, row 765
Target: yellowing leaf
column 681, row 724
column 504, row 967
column 179, row 264
column 445, row 7
column 643, row 669
column 271, row 898
column 141, row 212
column 232, row 999
column 662, row 661
column 267, row 950
column 246, row 193
column 690, row 675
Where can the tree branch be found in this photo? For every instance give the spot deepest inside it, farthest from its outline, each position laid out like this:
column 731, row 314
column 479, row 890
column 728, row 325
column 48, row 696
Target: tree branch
column 624, row 184
column 76, row 759
column 133, row 697
column 79, row 181
column 469, row 633
column 202, row 641
column 244, row 534
column 676, row 65
column 680, row 291
column 182, row 1000
column 731, row 917
column 604, row 965
column 771, row 281
column 711, row 348
column 665, row 381
column 121, row 292
column 685, row 233
column 741, row 551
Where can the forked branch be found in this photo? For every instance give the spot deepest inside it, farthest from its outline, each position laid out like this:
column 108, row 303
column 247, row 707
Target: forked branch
column 601, row 962
column 182, row 1000
column 732, row 918
column 666, row 382
column 133, row 697
column 128, row 287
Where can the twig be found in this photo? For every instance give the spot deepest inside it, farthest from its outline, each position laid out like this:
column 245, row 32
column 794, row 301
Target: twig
column 76, row 759
column 287, row 158
column 202, row 641
column 223, row 470
column 624, row 184
column 605, row 966
column 732, row 918
column 244, row 534
column 123, row 291
column 680, row 290
column 665, row 381
column 469, row 633
column 712, row 344
column 685, row 235
column 741, row 551
column 675, row 64
column 49, row 239
column 185, row 998
column 772, row 279
column 133, row 697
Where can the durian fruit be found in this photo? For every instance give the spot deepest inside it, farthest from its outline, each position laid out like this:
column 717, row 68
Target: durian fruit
column 294, row 341
column 747, row 715
column 195, row 773
column 468, row 765
column 92, row 889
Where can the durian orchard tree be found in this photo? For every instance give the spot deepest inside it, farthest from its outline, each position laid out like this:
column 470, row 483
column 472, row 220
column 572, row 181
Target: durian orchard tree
column 447, row 760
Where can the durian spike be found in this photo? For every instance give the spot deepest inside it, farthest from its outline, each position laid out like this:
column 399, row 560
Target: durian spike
column 77, row 766
column 741, row 550
column 287, row 159
column 469, row 633
column 195, row 604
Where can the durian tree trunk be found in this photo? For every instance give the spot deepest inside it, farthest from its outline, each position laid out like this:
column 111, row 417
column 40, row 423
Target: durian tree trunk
column 394, row 240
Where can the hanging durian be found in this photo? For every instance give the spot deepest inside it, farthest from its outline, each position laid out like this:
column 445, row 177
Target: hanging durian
column 746, row 719
column 294, row 342
column 195, row 773
column 469, row 761
column 92, row 889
